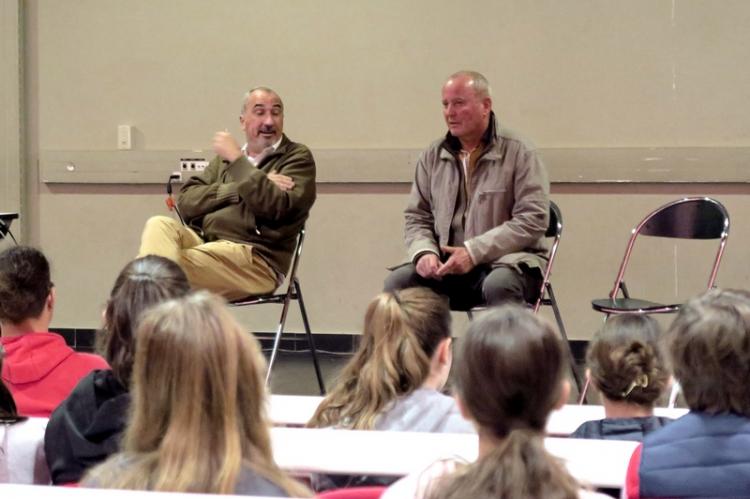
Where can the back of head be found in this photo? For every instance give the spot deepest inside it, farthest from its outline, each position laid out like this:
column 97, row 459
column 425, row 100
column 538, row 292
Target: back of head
column 509, row 377
column 709, row 343
column 518, row 358
column 198, row 401
column 143, row 283
column 626, row 360
column 24, row 284
column 402, row 331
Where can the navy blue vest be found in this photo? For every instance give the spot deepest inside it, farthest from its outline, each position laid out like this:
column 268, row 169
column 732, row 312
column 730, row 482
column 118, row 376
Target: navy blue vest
column 698, row 455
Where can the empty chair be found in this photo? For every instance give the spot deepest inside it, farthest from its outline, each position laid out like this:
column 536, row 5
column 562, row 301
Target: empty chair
column 687, row 218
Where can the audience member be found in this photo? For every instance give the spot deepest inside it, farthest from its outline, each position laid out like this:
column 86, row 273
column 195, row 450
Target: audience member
column 704, row 453
column 394, row 379
column 40, row 369
column 627, row 366
column 198, row 420
column 87, row 426
column 21, row 455
column 510, row 374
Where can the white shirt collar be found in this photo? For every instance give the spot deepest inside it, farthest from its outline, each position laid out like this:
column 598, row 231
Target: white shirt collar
column 263, row 154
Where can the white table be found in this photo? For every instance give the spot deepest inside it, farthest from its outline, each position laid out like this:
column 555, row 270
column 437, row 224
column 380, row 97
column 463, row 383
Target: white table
column 292, row 410
column 296, row 410
column 600, row 463
column 10, row 491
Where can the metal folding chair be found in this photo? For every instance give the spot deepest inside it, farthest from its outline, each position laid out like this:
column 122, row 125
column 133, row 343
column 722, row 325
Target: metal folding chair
column 293, row 292
column 546, row 293
column 687, row 218
column 5, row 220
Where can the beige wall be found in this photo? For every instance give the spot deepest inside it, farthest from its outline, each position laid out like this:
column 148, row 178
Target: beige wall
column 10, row 109
column 366, row 75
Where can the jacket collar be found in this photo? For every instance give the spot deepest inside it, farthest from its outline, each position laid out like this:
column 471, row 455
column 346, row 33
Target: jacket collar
column 282, row 149
column 451, row 146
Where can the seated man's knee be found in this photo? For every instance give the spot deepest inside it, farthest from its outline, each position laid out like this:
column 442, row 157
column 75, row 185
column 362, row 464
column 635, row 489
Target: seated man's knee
column 158, row 222
column 503, row 285
column 400, row 278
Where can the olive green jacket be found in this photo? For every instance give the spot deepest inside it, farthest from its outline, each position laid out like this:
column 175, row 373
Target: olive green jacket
column 237, row 202
column 507, row 214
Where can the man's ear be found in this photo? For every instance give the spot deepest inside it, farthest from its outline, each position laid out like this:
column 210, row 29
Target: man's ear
column 487, row 104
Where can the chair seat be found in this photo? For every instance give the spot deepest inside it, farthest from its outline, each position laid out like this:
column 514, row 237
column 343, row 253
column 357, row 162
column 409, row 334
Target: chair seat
column 632, row 305
column 258, row 299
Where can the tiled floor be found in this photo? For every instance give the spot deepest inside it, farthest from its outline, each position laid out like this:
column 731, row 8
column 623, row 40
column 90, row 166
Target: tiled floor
column 294, row 373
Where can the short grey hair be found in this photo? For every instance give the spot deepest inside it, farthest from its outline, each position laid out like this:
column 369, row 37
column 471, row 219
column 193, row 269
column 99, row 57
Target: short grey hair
column 477, row 80
column 267, row 90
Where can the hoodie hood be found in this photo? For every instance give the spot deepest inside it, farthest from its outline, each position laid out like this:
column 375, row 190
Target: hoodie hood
column 86, row 428
column 32, row 356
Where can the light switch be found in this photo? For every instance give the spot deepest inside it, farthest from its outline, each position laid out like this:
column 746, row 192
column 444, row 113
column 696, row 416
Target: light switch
column 124, row 137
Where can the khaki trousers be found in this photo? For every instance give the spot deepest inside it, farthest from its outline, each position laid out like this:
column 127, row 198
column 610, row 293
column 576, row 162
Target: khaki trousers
column 229, row 269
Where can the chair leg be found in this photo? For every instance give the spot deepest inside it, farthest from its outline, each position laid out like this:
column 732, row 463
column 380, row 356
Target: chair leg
column 582, row 398
column 277, row 340
column 564, row 334
column 470, row 314
column 676, row 389
column 310, row 340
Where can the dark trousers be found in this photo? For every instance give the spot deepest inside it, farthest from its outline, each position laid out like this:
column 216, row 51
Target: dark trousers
column 483, row 285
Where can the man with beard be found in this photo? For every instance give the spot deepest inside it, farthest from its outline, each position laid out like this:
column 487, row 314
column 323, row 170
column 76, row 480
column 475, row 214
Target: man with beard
column 243, row 214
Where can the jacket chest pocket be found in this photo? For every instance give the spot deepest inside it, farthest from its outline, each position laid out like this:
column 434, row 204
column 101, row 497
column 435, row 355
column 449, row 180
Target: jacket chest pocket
column 490, row 208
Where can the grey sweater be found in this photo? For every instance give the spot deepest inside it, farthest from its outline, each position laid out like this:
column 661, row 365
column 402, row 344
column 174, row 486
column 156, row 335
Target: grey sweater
column 424, row 410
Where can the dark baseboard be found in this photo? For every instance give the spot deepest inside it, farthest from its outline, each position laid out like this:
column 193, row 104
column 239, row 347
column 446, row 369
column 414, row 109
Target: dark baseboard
column 297, row 342
column 83, row 340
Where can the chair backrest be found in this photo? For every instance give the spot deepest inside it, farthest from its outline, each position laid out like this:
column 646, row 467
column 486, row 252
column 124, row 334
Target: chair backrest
column 5, row 220
column 686, row 218
column 297, row 254
column 554, row 230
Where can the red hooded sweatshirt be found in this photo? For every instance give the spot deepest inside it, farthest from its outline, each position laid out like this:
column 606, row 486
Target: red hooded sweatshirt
column 40, row 370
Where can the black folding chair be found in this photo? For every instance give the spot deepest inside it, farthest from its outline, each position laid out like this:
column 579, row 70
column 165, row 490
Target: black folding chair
column 293, row 292
column 687, row 218
column 546, row 293
column 5, row 220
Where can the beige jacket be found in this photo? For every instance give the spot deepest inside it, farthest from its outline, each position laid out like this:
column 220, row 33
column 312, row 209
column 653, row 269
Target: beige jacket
column 507, row 214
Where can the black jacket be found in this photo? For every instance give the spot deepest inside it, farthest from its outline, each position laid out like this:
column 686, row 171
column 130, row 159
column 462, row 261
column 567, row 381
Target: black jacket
column 86, row 428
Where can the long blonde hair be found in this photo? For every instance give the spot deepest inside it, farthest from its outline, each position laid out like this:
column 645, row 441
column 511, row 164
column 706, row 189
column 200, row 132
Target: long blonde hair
column 198, row 411
column 401, row 333
column 509, row 376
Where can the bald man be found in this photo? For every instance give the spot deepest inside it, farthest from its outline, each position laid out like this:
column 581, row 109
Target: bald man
column 479, row 207
column 244, row 212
